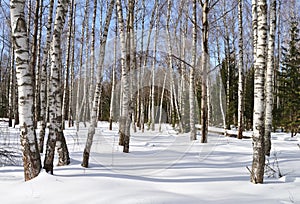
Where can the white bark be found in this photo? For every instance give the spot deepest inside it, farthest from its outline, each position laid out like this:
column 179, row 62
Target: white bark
column 43, row 98
column 79, row 84
column 192, row 75
column 153, row 74
column 112, row 98
column 161, row 102
column 55, row 131
column 205, row 62
column 170, row 64
column 259, row 106
column 125, row 117
column 67, row 86
column 241, row 74
column 270, row 79
column 31, row 156
column 93, row 123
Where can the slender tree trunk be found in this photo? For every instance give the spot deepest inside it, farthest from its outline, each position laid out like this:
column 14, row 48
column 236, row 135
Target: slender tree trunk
column 65, row 102
column 133, row 66
column 31, row 156
column 270, row 79
column 145, row 61
column 55, row 130
column 43, row 92
column 33, row 57
column 12, row 90
column 205, row 62
column 258, row 163
column 79, row 84
column 71, row 91
column 93, row 123
column 221, row 88
column 241, row 74
column 92, row 69
column 112, row 98
column 192, row 75
column 153, row 74
column 172, row 84
column 183, row 108
column 38, row 65
column 85, row 101
column 161, row 102
column 125, row 117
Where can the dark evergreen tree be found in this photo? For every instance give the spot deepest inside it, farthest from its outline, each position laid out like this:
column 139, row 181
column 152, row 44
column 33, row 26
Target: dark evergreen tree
column 231, row 110
column 288, row 112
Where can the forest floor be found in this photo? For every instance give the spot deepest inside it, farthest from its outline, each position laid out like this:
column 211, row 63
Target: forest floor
column 161, row 168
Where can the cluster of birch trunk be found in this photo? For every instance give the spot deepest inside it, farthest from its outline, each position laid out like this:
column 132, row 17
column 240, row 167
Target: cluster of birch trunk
column 164, row 58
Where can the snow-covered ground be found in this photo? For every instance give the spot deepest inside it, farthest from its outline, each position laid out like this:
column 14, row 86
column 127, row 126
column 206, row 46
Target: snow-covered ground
column 160, row 168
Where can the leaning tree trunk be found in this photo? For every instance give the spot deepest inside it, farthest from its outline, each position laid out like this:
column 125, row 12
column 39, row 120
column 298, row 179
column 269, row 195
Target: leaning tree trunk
column 205, row 61
column 258, row 163
column 31, row 156
column 270, row 79
column 55, row 129
column 192, row 75
column 241, row 74
column 93, row 123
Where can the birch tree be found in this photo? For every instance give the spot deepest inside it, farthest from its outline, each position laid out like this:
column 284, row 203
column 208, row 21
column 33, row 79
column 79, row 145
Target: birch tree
column 241, row 74
column 93, row 123
column 205, row 62
column 192, row 75
column 258, row 163
column 153, row 72
column 125, row 117
column 65, row 103
column 31, row 156
column 43, row 91
column 270, row 79
column 55, row 115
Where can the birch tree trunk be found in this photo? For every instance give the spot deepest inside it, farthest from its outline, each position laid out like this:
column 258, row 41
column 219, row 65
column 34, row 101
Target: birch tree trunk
column 183, row 96
column 241, row 74
column 112, row 98
column 205, row 62
column 258, row 162
column 43, row 92
column 33, row 59
column 192, row 75
column 92, row 68
column 161, row 102
column 93, row 123
column 31, row 156
column 55, row 115
column 170, row 64
column 270, row 79
column 141, row 77
column 254, row 28
column 71, row 91
column 125, row 118
column 65, row 103
column 85, row 103
column 79, row 84
column 12, row 85
column 153, row 73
